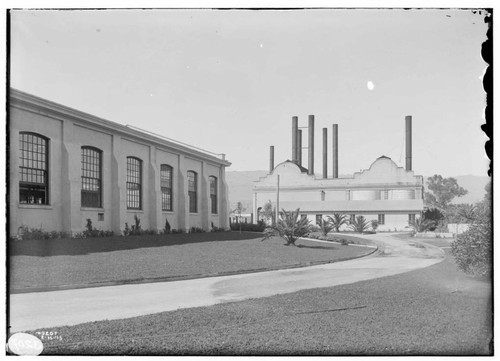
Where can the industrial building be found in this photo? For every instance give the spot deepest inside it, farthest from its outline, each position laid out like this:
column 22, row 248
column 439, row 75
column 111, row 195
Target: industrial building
column 384, row 192
column 66, row 166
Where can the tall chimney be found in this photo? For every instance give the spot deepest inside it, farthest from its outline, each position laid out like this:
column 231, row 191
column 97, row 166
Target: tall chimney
column 271, row 158
column 299, row 147
column 295, row 128
column 325, row 153
column 335, row 158
column 311, row 145
column 408, row 142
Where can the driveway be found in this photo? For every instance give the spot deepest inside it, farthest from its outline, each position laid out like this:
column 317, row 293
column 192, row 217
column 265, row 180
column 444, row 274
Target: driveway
column 30, row 311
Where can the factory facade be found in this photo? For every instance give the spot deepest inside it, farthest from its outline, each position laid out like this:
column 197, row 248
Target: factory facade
column 66, row 166
column 391, row 195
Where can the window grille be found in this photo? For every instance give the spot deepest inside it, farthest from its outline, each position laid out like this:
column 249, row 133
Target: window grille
column 134, row 183
column 166, row 187
column 33, row 168
column 192, row 191
column 213, row 193
column 91, row 177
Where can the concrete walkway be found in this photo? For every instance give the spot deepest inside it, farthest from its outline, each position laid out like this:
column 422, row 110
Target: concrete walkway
column 31, row 311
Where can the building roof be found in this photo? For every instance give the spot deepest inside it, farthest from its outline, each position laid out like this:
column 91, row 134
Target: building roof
column 28, row 102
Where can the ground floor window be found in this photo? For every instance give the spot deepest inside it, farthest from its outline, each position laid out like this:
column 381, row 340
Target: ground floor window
column 319, row 218
column 381, row 219
column 352, row 218
column 411, row 218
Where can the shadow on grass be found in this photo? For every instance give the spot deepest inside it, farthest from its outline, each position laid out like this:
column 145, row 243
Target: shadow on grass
column 82, row 246
column 331, row 248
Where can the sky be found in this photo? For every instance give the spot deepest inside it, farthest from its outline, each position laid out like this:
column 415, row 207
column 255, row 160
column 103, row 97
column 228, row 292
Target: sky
column 230, row 81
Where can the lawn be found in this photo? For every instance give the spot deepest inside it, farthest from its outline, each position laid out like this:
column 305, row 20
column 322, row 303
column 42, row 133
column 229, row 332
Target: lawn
column 433, row 311
column 103, row 261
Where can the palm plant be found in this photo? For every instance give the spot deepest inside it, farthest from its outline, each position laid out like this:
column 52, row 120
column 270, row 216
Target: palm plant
column 337, row 221
column 325, row 226
column 289, row 227
column 359, row 224
column 421, row 224
column 467, row 213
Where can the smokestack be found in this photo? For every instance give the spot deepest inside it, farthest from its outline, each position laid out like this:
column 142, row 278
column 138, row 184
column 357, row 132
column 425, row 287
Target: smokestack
column 408, row 142
column 299, row 147
column 335, row 158
column 325, row 153
column 295, row 128
column 311, row 145
column 271, row 158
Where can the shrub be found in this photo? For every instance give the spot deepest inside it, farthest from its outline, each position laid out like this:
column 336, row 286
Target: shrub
column 196, row 230
column 177, row 231
column 91, row 232
column 136, row 230
column 289, row 227
column 249, row 227
column 473, row 249
column 344, row 242
column 374, row 223
column 166, row 228
column 26, row 233
column 359, row 224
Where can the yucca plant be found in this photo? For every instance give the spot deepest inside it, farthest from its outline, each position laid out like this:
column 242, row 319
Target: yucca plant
column 360, row 224
column 289, row 227
column 325, row 226
column 337, row 221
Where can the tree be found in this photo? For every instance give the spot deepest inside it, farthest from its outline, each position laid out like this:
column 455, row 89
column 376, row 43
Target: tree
column 268, row 211
column 289, row 227
column 337, row 221
column 442, row 191
column 359, row 224
column 325, row 226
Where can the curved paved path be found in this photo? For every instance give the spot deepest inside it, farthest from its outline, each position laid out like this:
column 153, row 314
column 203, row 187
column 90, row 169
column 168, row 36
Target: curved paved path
column 31, row 311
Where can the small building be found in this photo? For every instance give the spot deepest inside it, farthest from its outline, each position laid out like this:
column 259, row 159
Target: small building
column 66, row 166
column 385, row 192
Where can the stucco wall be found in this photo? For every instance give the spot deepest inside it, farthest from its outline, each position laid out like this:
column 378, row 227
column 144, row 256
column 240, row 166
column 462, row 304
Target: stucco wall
column 67, row 134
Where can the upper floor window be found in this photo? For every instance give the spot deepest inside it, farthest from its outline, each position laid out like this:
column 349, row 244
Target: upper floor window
column 134, row 183
column 213, row 193
column 91, row 177
column 192, row 191
column 166, row 187
column 33, row 168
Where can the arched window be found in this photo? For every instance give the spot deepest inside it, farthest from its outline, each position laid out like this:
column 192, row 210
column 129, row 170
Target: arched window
column 134, row 183
column 91, row 177
column 33, row 168
column 192, row 191
column 213, row 193
column 166, row 187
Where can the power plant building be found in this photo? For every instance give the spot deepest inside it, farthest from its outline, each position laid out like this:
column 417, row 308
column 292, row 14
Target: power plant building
column 385, row 192
column 66, row 166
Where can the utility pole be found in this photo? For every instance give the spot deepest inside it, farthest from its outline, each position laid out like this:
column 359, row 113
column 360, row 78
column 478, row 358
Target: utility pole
column 277, row 199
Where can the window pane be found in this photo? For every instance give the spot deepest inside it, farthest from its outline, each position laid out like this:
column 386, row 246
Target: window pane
column 91, row 177
column 33, row 169
column 134, row 179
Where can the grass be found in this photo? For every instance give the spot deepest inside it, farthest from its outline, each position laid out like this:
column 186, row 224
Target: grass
column 91, row 262
column 433, row 311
